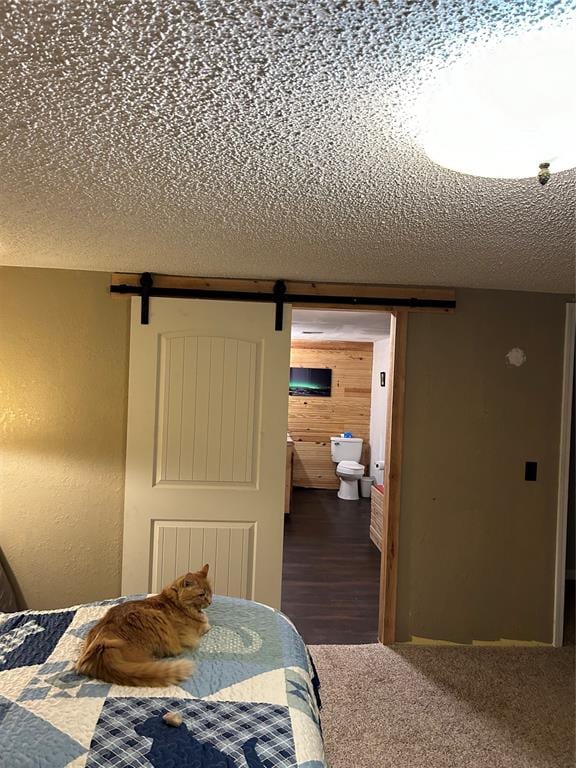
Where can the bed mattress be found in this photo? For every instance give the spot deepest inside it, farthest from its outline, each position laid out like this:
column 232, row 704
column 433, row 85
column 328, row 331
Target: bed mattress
column 250, row 703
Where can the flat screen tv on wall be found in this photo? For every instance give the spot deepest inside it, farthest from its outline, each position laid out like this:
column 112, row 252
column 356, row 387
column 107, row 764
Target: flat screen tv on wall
column 310, row 382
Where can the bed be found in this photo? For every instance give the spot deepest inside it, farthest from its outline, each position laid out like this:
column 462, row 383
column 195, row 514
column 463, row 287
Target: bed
column 252, row 701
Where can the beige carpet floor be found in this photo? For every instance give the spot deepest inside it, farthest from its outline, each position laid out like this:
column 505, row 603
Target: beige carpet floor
column 447, row 707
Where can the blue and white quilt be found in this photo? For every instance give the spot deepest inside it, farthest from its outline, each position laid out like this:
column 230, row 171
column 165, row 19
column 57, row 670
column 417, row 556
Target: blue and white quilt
column 250, row 702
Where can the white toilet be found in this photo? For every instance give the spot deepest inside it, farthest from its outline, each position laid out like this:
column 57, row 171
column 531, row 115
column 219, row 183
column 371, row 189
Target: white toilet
column 345, row 453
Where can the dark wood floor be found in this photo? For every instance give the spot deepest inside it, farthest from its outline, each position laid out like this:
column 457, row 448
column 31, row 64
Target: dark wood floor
column 331, row 569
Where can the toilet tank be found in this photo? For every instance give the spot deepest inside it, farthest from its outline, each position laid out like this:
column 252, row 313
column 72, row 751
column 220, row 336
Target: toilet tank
column 346, row 448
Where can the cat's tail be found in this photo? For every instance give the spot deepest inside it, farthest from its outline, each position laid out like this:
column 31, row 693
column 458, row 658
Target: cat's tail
column 112, row 661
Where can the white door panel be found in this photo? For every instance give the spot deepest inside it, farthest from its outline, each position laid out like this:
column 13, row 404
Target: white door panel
column 228, row 546
column 208, row 420
column 206, row 446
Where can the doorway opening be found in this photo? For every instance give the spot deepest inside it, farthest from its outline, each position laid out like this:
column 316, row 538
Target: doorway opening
column 338, row 406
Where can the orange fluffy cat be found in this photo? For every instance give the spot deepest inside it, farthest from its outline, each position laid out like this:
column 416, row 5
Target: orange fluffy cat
column 124, row 645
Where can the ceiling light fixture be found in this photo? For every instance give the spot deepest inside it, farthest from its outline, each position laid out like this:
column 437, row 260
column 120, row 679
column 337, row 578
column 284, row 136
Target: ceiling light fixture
column 507, row 109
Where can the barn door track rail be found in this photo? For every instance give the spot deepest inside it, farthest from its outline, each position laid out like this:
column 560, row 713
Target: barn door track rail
column 281, row 292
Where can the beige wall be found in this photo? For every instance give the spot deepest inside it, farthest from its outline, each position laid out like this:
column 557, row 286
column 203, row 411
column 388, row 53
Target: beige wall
column 477, row 540
column 64, row 353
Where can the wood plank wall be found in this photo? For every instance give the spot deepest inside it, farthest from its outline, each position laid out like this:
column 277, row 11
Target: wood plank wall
column 312, row 421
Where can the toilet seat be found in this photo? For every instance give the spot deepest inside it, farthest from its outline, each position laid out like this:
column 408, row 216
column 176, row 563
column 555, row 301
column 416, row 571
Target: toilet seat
column 349, row 469
column 350, row 465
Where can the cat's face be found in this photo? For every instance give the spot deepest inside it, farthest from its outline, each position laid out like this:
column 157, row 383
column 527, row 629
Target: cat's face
column 194, row 589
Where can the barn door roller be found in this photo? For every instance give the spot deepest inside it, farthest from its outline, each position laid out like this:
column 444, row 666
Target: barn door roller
column 278, row 296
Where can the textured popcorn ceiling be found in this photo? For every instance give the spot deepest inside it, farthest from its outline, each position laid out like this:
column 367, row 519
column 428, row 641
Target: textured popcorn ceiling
column 246, row 138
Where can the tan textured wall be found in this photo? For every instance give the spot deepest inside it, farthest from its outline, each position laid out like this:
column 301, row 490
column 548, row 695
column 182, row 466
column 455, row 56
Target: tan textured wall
column 64, row 352
column 312, row 421
column 476, row 540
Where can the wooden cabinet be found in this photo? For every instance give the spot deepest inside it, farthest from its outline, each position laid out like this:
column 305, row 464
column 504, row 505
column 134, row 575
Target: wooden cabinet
column 289, row 467
column 377, row 514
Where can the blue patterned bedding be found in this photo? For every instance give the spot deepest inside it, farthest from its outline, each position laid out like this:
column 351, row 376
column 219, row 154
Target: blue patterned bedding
column 250, row 703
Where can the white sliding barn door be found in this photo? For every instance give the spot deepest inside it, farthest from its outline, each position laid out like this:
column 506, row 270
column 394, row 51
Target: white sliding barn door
column 206, row 449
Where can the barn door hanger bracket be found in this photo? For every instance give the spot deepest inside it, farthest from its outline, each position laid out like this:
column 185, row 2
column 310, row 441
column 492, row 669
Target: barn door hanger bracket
column 279, row 294
column 279, row 297
column 147, row 282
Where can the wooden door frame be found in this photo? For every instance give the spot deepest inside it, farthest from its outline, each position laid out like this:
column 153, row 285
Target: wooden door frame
column 393, row 479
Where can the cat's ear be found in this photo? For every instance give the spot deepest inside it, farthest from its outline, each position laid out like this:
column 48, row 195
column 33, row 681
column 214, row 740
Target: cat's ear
column 188, row 580
column 204, row 570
